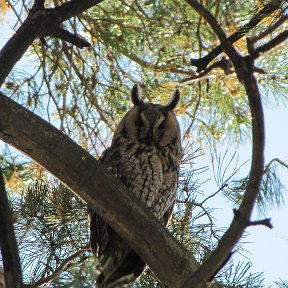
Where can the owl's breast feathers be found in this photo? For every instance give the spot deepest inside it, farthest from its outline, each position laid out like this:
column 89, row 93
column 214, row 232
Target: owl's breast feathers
column 150, row 172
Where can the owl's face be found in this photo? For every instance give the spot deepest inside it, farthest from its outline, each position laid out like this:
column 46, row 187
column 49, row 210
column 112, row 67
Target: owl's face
column 152, row 124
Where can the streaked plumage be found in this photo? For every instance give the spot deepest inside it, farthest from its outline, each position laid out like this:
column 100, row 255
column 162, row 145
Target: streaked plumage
column 145, row 155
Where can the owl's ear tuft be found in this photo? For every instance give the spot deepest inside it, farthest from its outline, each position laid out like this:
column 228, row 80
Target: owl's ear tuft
column 174, row 100
column 136, row 95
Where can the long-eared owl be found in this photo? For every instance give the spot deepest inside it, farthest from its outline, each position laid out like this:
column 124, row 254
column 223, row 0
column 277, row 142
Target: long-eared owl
column 145, row 155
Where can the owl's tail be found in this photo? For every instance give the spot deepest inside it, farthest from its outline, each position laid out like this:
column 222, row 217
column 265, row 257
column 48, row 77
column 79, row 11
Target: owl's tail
column 127, row 272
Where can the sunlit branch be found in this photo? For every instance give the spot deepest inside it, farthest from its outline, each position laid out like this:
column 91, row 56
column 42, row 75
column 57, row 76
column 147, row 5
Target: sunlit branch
column 136, row 11
column 166, row 68
column 193, row 116
column 143, row 63
column 68, row 55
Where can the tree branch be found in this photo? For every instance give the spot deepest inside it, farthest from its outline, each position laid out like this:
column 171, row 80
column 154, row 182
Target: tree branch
column 39, row 22
column 269, row 45
column 244, row 68
column 277, row 160
column 9, row 248
column 224, row 64
column 69, row 37
column 269, row 29
column 264, row 222
column 84, row 175
column 271, row 7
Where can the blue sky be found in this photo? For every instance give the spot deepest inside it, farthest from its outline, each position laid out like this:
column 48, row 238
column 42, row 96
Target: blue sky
column 269, row 248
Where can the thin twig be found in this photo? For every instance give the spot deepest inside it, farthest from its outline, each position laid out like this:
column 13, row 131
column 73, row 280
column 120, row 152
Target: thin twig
column 225, row 185
column 264, row 222
column 59, row 269
column 272, row 161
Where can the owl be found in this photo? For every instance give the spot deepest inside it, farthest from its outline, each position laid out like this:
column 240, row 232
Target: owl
column 145, row 154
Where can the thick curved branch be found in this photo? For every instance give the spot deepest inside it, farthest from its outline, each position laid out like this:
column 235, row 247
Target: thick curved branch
column 8, row 244
column 104, row 193
column 244, row 68
column 39, row 22
column 268, row 9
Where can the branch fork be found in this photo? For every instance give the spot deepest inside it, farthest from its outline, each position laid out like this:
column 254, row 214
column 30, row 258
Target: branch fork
column 244, row 68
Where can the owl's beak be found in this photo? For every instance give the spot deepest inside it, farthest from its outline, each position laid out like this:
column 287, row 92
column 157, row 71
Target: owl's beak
column 149, row 137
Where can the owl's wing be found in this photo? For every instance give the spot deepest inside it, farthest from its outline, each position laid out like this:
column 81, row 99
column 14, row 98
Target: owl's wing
column 167, row 215
column 99, row 233
column 122, row 264
column 99, row 230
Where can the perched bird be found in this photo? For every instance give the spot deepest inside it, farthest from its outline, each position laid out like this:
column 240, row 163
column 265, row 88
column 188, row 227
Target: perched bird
column 145, row 155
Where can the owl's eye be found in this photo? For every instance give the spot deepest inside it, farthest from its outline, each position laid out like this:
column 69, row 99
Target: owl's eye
column 163, row 126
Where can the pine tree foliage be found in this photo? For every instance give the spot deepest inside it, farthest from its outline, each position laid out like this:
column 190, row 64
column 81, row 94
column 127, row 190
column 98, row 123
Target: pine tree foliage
column 272, row 189
column 282, row 284
column 51, row 225
column 85, row 92
column 239, row 276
